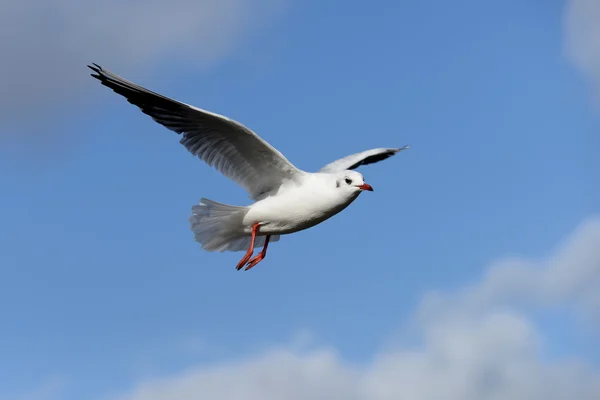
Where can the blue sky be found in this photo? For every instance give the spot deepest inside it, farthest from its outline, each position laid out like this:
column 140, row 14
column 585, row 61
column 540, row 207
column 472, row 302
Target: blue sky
column 102, row 288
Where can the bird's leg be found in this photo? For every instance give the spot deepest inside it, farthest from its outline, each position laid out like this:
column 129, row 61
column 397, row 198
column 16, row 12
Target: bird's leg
column 260, row 255
column 250, row 249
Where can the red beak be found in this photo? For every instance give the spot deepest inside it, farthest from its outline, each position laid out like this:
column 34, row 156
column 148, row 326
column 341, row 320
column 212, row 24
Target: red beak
column 365, row 186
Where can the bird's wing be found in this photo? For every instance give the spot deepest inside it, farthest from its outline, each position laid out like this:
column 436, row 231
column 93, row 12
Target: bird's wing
column 363, row 158
column 230, row 147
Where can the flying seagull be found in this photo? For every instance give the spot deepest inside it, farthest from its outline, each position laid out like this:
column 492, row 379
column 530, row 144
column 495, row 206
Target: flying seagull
column 287, row 199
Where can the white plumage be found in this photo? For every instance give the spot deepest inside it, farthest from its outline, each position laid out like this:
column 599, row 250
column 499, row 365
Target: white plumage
column 287, row 199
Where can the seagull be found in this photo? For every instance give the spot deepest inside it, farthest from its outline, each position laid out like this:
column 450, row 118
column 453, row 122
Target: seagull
column 286, row 198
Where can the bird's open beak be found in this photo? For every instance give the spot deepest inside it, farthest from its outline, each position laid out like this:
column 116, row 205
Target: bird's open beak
column 365, row 186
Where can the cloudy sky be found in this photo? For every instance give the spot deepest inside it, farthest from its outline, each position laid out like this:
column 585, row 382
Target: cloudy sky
column 471, row 273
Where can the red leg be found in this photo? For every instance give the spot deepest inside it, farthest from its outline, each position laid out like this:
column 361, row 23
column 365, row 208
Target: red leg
column 250, row 249
column 260, row 255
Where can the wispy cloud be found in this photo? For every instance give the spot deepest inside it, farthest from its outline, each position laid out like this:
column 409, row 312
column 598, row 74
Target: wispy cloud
column 571, row 276
column 480, row 343
column 582, row 37
column 45, row 46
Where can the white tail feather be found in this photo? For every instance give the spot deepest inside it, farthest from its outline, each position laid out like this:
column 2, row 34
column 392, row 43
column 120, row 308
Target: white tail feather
column 218, row 227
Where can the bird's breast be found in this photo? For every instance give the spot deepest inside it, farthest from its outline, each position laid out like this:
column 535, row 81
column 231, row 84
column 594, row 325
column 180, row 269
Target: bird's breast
column 295, row 210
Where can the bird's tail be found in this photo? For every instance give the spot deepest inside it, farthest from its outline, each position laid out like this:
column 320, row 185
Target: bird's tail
column 219, row 227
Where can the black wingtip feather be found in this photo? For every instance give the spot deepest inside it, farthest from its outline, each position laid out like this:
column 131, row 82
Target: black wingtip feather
column 150, row 103
column 378, row 157
column 97, row 69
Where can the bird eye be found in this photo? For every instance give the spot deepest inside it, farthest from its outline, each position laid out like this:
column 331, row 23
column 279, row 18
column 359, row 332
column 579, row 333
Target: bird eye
column 348, row 181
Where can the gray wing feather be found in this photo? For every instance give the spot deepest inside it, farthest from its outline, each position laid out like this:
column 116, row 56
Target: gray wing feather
column 230, row 147
column 363, row 158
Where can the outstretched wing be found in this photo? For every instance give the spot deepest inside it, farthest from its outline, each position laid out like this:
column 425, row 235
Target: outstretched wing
column 230, row 147
column 363, row 158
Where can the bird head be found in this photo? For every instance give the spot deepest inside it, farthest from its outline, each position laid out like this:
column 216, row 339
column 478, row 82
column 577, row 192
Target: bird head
column 352, row 182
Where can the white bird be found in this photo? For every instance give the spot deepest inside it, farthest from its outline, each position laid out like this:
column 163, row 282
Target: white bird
column 287, row 199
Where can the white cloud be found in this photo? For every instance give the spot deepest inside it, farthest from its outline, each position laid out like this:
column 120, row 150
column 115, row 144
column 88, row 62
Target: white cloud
column 582, row 37
column 572, row 275
column 480, row 343
column 46, row 46
column 279, row 374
